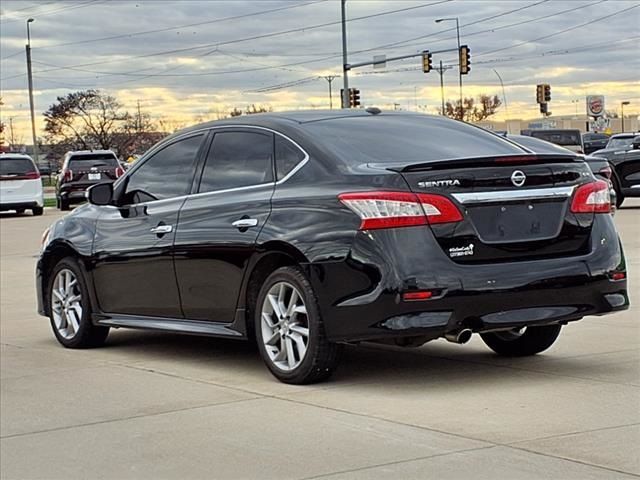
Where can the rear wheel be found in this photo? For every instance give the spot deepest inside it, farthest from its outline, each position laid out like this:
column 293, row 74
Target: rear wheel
column 37, row 211
column 63, row 204
column 522, row 342
column 19, row 211
column 70, row 308
column 290, row 331
column 619, row 195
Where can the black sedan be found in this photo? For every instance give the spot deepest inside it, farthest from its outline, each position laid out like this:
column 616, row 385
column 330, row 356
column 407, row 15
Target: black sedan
column 594, row 141
column 625, row 162
column 306, row 230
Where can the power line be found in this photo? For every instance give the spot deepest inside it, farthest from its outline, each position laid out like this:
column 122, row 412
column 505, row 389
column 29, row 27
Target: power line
column 55, row 11
column 177, row 27
column 544, row 37
column 246, row 39
column 29, row 7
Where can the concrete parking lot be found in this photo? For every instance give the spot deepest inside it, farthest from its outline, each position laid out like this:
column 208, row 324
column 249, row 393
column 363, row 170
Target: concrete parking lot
column 151, row 405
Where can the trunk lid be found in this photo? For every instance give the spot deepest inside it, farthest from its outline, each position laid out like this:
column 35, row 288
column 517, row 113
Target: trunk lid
column 513, row 207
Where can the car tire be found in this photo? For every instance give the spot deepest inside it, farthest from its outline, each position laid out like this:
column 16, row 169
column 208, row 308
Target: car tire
column 19, row 211
column 619, row 195
column 290, row 332
column 514, row 343
column 63, row 204
column 37, row 211
column 70, row 308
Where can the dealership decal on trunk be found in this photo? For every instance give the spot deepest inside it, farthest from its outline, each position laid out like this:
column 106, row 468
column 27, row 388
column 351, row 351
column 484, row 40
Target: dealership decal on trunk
column 461, row 251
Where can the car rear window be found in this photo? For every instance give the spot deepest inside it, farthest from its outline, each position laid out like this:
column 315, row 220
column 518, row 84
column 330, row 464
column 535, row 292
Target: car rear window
column 16, row 166
column 92, row 160
column 559, row 138
column 405, row 139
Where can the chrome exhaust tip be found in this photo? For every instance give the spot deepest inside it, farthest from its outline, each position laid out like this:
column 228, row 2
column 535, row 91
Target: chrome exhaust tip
column 461, row 336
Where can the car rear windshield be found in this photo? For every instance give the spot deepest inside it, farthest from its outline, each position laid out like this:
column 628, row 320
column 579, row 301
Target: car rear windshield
column 559, row 138
column 79, row 162
column 16, row 166
column 405, row 139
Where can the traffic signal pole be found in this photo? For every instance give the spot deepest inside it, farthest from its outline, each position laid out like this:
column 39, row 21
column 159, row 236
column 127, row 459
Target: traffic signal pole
column 345, row 91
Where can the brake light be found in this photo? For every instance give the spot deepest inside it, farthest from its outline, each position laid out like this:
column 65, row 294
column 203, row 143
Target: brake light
column 416, row 296
column 399, row 209
column 119, row 172
column 592, row 198
column 605, row 172
column 67, row 175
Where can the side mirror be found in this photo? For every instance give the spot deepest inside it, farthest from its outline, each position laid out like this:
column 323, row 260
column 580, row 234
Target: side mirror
column 635, row 145
column 100, row 194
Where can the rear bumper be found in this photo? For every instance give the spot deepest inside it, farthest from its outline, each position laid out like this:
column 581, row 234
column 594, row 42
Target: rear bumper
column 360, row 298
column 21, row 205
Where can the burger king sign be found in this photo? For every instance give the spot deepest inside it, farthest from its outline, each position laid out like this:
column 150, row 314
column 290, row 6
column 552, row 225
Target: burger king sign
column 595, row 105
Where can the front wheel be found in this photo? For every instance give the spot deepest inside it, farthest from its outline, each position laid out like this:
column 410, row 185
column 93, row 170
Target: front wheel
column 70, row 308
column 522, row 342
column 37, row 211
column 290, row 332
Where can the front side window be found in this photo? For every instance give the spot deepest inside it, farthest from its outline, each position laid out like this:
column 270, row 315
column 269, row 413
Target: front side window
column 166, row 174
column 238, row 159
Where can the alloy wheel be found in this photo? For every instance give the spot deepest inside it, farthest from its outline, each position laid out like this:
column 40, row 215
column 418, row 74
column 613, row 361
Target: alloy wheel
column 66, row 304
column 285, row 326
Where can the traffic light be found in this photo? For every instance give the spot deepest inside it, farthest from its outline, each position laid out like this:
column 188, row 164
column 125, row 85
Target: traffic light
column 426, row 62
column 544, row 109
column 354, row 97
column 547, row 92
column 465, row 59
column 539, row 93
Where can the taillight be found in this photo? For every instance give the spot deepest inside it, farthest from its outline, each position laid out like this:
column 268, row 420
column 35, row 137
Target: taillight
column 67, row 175
column 605, row 172
column 119, row 172
column 399, row 209
column 592, row 198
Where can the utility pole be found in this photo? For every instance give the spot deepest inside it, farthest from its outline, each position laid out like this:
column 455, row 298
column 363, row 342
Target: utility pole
column 138, row 120
column 12, row 138
column 330, row 78
column 345, row 92
column 459, row 69
column 441, row 69
column 504, row 97
column 622, row 104
column 31, row 106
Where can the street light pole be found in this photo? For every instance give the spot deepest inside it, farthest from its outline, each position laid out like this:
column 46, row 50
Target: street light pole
column 30, row 81
column 622, row 104
column 504, row 96
column 345, row 92
column 459, row 70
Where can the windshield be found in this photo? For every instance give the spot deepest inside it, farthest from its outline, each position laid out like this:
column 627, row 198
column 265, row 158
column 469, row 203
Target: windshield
column 16, row 166
column 559, row 138
column 406, row 139
column 620, row 142
column 81, row 162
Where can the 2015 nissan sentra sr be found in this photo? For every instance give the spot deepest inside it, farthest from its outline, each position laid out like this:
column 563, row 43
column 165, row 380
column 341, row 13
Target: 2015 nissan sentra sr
column 307, row 230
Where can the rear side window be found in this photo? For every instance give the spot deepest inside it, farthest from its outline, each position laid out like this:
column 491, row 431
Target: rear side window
column 238, row 159
column 81, row 162
column 16, row 166
column 166, row 174
column 559, row 138
column 288, row 156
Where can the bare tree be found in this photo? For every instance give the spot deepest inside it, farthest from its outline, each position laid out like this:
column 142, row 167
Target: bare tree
column 472, row 110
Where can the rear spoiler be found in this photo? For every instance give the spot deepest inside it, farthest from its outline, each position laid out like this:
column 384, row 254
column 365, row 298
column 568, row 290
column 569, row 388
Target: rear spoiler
column 474, row 162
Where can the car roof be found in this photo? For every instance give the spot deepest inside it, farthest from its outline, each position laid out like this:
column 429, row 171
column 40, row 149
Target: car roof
column 8, row 155
column 625, row 135
column 89, row 152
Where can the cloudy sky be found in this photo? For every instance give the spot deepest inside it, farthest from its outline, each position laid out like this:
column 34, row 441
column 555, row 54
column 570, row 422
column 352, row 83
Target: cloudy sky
column 185, row 60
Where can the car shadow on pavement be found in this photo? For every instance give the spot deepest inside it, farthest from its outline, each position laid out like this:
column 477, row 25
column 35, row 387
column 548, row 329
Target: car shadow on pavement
column 436, row 363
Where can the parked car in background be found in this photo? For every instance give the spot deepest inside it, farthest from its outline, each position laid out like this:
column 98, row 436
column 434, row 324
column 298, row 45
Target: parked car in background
column 20, row 184
column 569, row 139
column 305, row 230
column 80, row 170
column 594, row 141
column 600, row 167
column 625, row 162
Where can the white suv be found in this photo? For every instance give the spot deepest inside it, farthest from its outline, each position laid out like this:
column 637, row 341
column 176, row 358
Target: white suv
column 20, row 184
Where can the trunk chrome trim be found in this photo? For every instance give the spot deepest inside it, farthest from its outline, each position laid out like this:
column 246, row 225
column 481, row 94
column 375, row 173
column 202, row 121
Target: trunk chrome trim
column 513, row 195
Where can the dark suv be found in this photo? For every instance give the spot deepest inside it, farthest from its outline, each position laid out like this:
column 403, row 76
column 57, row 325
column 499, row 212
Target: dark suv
column 306, row 230
column 82, row 169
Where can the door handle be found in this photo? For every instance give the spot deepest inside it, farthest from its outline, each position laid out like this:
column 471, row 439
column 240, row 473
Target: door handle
column 162, row 229
column 245, row 223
